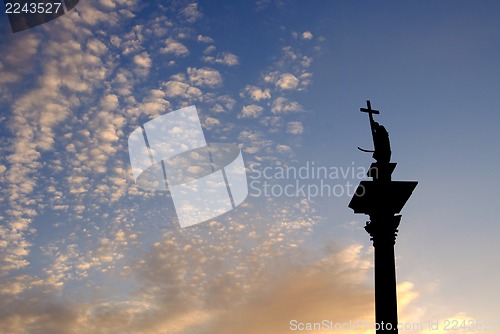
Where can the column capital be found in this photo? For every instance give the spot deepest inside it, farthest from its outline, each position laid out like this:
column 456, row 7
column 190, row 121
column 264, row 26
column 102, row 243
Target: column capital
column 383, row 229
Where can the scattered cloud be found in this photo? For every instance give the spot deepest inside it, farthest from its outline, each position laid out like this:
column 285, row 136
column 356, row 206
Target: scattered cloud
column 211, row 122
column 282, row 105
column 265, row 294
column 143, row 60
column 287, row 81
column 251, row 111
column 283, row 148
column 295, row 128
column 307, row 35
column 210, row 49
column 191, row 13
column 183, row 90
column 108, row 3
column 175, row 48
column 204, row 76
column 256, row 93
column 205, row 39
column 66, row 170
column 225, row 58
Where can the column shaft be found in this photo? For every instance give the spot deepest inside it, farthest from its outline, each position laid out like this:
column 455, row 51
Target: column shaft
column 386, row 309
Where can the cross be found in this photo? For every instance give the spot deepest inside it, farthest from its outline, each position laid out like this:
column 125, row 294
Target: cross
column 369, row 110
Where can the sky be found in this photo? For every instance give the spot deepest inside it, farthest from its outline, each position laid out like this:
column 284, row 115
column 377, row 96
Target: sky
column 83, row 249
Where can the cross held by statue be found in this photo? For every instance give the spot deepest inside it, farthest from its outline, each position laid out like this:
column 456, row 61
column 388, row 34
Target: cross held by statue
column 369, row 110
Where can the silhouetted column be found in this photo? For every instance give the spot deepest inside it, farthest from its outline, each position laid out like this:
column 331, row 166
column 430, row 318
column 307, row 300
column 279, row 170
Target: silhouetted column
column 382, row 199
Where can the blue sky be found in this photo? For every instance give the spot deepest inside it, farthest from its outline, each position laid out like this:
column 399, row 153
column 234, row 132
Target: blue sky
column 84, row 250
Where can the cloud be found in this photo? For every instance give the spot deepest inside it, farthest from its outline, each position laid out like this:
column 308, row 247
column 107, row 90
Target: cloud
column 204, row 76
column 108, row 3
column 306, row 294
column 68, row 160
column 155, row 104
column 97, row 47
column 256, row 93
column 143, row 60
column 307, row 35
column 274, row 123
column 306, row 61
column 66, row 125
column 226, row 58
column 295, row 128
column 305, row 77
column 17, row 60
column 35, row 119
column 211, row 122
column 225, row 103
column 282, row 105
column 191, row 13
column 209, row 49
column 15, row 286
column 164, row 300
column 109, row 102
column 209, row 288
column 183, row 90
column 175, row 48
column 92, row 16
column 287, row 81
column 283, row 148
column 251, row 111
column 204, row 39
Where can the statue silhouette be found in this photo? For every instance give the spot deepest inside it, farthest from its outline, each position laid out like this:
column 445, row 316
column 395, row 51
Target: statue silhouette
column 381, row 143
column 382, row 152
